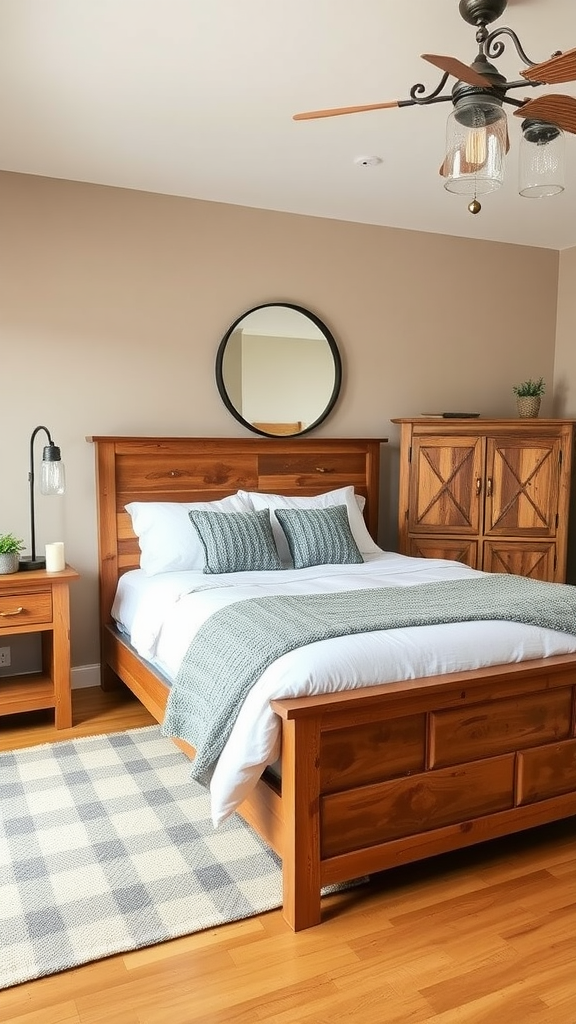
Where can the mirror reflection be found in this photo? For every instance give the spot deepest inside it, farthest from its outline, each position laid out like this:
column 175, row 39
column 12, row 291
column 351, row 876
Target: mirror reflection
column 278, row 370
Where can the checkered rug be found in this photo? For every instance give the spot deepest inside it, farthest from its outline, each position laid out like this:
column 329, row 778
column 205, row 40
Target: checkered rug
column 106, row 845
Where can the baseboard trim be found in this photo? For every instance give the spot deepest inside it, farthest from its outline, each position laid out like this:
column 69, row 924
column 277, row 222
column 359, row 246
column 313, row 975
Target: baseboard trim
column 84, row 676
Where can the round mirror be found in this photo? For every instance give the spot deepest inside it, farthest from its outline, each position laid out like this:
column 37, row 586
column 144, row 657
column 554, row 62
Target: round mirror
column 278, row 370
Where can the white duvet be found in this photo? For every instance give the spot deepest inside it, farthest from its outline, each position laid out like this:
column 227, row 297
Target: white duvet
column 161, row 614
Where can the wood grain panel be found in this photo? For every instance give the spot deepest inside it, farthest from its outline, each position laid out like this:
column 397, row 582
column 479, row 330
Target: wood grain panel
column 321, row 471
column 418, row 803
column 183, row 472
column 128, row 557
column 497, row 727
column 183, row 494
column 132, row 669
column 378, row 750
column 546, row 771
column 536, row 559
column 36, row 693
column 21, row 609
column 458, row 549
column 443, row 488
column 524, row 485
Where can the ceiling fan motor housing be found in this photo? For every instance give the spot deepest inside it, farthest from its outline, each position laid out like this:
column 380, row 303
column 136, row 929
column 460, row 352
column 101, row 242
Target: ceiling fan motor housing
column 482, row 12
column 466, row 98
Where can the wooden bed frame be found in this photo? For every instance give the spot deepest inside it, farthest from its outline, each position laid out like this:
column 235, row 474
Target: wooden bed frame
column 371, row 778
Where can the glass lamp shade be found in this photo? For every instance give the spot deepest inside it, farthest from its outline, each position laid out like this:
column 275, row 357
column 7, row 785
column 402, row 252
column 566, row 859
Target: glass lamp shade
column 52, row 478
column 476, row 144
column 541, row 166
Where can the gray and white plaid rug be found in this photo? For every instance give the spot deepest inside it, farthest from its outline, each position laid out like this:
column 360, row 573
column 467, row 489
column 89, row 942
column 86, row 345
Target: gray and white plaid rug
column 106, row 845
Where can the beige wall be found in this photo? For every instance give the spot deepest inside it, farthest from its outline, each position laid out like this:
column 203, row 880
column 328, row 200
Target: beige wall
column 565, row 362
column 113, row 303
column 565, row 372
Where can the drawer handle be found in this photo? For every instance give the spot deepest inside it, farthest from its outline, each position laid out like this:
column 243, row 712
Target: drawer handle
column 323, row 469
column 5, row 615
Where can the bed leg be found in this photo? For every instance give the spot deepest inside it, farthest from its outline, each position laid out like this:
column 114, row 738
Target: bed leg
column 301, row 807
column 108, row 678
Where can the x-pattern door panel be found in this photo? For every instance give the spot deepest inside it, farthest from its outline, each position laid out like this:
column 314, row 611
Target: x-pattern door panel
column 446, row 485
column 535, row 559
column 459, row 549
column 522, row 479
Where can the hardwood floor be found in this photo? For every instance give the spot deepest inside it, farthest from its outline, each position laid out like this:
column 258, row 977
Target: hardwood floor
column 484, row 936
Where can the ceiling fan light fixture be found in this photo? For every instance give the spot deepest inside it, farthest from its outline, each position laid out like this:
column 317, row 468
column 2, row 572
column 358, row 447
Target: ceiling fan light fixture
column 476, row 143
column 477, row 138
column 541, row 160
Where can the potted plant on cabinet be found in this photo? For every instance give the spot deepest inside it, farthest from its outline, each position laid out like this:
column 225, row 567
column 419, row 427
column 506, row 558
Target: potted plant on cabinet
column 528, row 397
column 10, row 547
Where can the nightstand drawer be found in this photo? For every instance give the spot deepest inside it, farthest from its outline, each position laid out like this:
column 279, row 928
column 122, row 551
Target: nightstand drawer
column 25, row 609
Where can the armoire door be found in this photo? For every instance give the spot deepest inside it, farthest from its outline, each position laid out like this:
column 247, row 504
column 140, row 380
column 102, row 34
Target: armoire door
column 446, row 485
column 535, row 559
column 455, row 549
column 522, row 480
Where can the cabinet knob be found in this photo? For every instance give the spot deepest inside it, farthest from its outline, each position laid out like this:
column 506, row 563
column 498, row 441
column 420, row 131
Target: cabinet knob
column 489, row 486
column 478, row 485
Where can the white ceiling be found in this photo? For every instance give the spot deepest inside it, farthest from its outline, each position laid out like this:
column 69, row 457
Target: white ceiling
column 194, row 98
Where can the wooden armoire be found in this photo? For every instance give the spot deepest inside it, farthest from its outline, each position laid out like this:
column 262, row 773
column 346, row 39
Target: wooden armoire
column 492, row 493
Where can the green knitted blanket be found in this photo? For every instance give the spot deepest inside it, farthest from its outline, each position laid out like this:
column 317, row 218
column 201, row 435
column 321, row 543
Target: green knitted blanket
column 234, row 646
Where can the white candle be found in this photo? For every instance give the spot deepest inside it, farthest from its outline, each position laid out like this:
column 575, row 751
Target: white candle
column 55, row 561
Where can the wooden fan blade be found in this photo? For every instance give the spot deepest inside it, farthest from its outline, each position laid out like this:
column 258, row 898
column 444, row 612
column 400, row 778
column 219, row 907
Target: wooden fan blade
column 555, row 108
column 453, row 66
column 310, row 114
column 557, row 69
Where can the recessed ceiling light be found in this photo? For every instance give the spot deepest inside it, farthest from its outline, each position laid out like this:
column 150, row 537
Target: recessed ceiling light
column 368, row 161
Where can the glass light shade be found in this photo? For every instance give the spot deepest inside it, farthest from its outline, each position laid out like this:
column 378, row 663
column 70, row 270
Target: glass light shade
column 541, row 161
column 53, row 478
column 476, row 144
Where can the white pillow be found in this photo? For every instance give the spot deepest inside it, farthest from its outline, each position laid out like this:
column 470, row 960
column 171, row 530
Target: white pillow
column 340, row 496
column 168, row 541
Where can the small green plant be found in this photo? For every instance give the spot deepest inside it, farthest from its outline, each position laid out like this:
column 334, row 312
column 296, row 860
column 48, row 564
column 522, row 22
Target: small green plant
column 530, row 388
column 9, row 544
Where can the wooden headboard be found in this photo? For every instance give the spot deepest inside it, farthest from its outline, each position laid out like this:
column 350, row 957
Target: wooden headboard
column 204, row 469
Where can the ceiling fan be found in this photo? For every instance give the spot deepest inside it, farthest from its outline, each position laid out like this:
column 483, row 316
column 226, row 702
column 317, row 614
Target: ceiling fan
column 477, row 131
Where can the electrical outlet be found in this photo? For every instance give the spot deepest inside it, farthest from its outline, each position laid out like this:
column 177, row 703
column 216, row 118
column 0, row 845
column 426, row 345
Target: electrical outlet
column 4, row 657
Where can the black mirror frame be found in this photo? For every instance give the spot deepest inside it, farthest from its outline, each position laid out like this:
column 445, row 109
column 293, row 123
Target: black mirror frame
column 335, row 356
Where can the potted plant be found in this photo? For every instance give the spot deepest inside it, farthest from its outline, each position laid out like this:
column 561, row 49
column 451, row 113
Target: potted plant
column 10, row 546
column 528, row 397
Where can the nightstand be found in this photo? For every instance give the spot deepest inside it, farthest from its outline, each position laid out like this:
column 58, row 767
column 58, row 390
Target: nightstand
column 38, row 602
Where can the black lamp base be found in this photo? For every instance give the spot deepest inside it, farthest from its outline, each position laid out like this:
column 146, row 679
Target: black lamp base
column 28, row 563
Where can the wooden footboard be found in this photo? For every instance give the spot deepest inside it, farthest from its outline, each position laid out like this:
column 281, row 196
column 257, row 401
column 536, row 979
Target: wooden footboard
column 378, row 777
column 400, row 772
